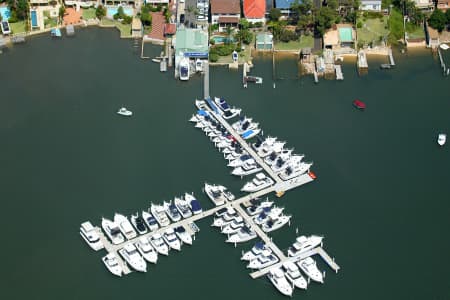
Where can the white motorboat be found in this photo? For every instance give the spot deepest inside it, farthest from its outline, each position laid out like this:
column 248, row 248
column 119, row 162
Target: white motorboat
column 246, row 135
column 124, row 112
column 235, row 56
column 228, row 194
column 442, row 139
column 158, row 243
column 246, row 169
column 303, row 243
column 261, row 181
column 279, row 165
column 200, row 104
column 283, row 155
column 228, row 112
column 243, row 125
column 444, row 46
column 145, row 248
column 90, row 235
column 276, row 276
column 139, row 223
column 183, row 235
column 198, row 65
column 243, row 235
column 112, row 231
column 233, row 226
column 194, row 119
column 171, row 239
column 150, row 221
column 125, row 226
column 240, row 160
column 309, row 267
column 111, row 262
column 159, row 213
column 172, row 211
column 275, row 147
column 133, row 258
column 215, row 193
column 184, row 69
column 294, row 276
column 265, row 259
column 226, row 218
column 258, row 207
column 274, row 224
column 183, row 207
column 268, row 213
column 295, row 170
column 260, row 143
column 255, row 252
column 194, row 204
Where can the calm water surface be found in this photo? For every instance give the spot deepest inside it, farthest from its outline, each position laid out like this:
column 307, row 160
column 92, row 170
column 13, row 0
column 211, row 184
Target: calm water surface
column 382, row 198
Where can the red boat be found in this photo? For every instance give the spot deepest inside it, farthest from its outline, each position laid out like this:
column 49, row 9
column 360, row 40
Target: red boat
column 359, row 104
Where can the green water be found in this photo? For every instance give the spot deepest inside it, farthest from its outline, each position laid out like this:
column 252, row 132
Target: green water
column 381, row 199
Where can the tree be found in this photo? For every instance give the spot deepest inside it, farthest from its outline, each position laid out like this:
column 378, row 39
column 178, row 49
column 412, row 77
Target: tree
column 447, row 15
column 244, row 24
column 229, row 31
column 146, row 17
column 325, row 18
column 100, row 11
column 274, row 14
column 437, row 20
column 62, row 12
column 22, row 9
column 244, row 35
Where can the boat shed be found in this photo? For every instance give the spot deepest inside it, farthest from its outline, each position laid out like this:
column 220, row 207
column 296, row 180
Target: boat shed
column 192, row 43
column 70, row 30
column 264, row 41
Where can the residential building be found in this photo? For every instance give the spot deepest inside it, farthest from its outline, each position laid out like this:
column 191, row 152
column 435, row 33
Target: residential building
column 342, row 36
column 370, row 5
column 284, row 6
column 443, row 4
column 225, row 13
column 426, row 5
column 255, row 10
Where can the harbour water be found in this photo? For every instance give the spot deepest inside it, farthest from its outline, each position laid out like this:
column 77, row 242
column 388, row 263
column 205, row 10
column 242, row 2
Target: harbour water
column 381, row 198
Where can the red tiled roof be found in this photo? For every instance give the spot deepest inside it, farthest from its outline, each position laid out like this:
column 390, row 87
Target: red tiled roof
column 254, row 9
column 158, row 21
column 228, row 20
column 225, row 6
column 170, row 29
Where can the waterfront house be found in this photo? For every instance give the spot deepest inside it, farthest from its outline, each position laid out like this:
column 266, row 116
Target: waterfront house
column 341, row 37
column 425, row 5
column 80, row 3
column 225, row 13
column 443, row 4
column 255, row 10
column 285, row 7
column 264, row 41
column 370, row 5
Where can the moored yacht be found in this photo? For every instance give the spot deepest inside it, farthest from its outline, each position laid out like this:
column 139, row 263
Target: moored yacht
column 183, row 235
column 133, row 258
column 258, row 207
column 124, row 112
column 228, row 112
column 171, row 239
column 295, row 170
column 240, row 160
column 172, row 211
column 150, row 221
column 138, row 223
column 158, row 243
column 125, row 226
column 146, row 250
column 159, row 212
column 261, row 181
column 244, row 234
column 268, row 213
column 265, row 259
column 215, row 193
column 112, row 263
column 183, row 207
column 266, row 150
column 250, row 133
column 294, row 276
column 233, row 226
column 442, row 138
column 276, row 276
column 90, row 235
column 260, row 143
column 226, row 218
column 246, row 169
column 194, row 204
column 308, row 265
column 303, row 243
column 243, row 125
column 274, row 224
column 112, row 231
column 254, row 252
column 184, row 69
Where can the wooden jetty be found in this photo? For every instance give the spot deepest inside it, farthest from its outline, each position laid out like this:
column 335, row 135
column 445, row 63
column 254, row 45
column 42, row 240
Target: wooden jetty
column 391, row 58
column 339, row 74
column 363, row 66
column 163, row 65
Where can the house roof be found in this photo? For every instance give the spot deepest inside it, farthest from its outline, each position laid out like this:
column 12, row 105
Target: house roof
column 264, row 38
column 284, row 4
column 225, row 7
column 170, row 28
column 191, row 40
column 254, row 9
column 230, row 20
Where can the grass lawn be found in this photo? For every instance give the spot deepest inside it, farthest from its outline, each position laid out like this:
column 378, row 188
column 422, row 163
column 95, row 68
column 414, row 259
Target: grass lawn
column 372, row 29
column 17, row 27
column 89, row 13
column 244, row 56
column 303, row 42
column 414, row 31
column 395, row 26
column 125, row 29
column 49, row 23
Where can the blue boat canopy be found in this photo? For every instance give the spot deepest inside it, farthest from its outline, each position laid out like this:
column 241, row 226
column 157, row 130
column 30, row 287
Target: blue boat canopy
column 202, row 112
column 247, row 133
column 212, row 105
column 259, row 245
column 196, row 205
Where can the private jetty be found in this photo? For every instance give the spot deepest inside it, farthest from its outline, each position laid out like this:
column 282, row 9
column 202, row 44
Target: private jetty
column 131, row 243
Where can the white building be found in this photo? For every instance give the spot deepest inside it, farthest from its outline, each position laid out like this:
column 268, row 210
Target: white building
column 370, row 5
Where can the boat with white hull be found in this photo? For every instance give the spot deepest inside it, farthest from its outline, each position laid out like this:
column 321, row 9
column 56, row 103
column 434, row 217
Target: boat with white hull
column 265, row 259
column 159, row 213
column 233, row 226
column 171, row 239
column 442, row 139
column 272, row 225
column 183, row 207
column 226, row 218
column 172, row 211
column 243, row 125
column 260, row 143
column 184, row 69
column 309, row 267
column 183, row 235
column 133, row 258
column 228, row 112
column 276, row 276
column 111, row 262
column 296, row 170
column 246, row 169
column 112, row 231
column 276, row 147
column 255, row 252
column 260, row 182
column 124, row 112
column 139, row 223
column 294, row 276
column 194, row 204
column 90, row 235
column 242, row 159
column 125, row 226
column 269, row 213
column 258, row 207
column 150, row 221
column 303, row 243
column 215, row 193
column 146, row 250
column 243, row 235
column 158, row 244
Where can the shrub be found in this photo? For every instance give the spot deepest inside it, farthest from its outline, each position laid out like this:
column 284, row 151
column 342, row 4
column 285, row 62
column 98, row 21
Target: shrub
column 127, row 20
column 359, row 24
column 212, row 42
column 213, row 57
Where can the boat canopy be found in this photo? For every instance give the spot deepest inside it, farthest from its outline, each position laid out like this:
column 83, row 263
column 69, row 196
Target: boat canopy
column 247, row 133
column 202, row 112
column 196, row 205
column 259, row 245
column 180, row 229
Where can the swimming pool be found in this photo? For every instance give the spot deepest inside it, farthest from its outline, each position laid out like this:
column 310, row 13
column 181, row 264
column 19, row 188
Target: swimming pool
column 221, row 39
column 111, row 11
column 34, row 22
column 5, row 12
column 345, row 34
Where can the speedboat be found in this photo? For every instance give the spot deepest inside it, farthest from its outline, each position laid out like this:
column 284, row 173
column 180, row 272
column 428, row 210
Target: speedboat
column 233, row 226
column 260, row 144
column 254, row 252
column 442, row 138
column 285, row 154
column 276, row 276
column 172, row 211
column 295, row 170
column 184, row 69
column 261, row 181
column 240, row 160
column 158, row 243
column 444, row 46
column 221, row 212
column 194, row 204
column 267, row 214
column 125, row 226
column 150, row 221
column 159, row 212
column 171, row 239
column 235, row 56
column 139, row 223
column 124, row 112
column 183, row 235
column 200, row 104
column 266, row 150
column 250, row 133
column 249, row 167
column 90, row 235
column 226, row 218
column 228, row 112
column 243, row 125
column 274, row 224
column 359, row 104
column 294, row 276
column 112, row 231
column 309, row 267
column 111, row 262
column 279, row 165
column 303, row 243
column 215, row 193
column 263, row 261
column 258, row 207
column 198, row 65
column 133, row 258
column 183, row 207
column 243, row 235
column 145, row 248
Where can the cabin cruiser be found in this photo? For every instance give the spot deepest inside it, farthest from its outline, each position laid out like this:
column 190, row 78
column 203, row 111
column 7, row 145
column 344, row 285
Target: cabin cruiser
column 150, row 221
column 158, row 243
column 294, row 276
column 276, row 276
column 112, row 231
column 228, row 112
column 255, row 252
column 215, row 193
column 281, row 164
column 225, row 218
column 249, row 167
column 171, row 239
column 243, row 125
column 133, row 258
column 233, row 226
column 159, row 212
column 303, row 243
column 261, row 181
column 296, row 170
column 275, row 156
column 265, row 259
column 260, row 143
column 183, row 207
column 258, row 207
column 90, row 235
column 244, row 234
column 221, row 212
column 250, row 133
column 442, row 139
column 125, row 226
column 124, row 112
column 111, row 262
column 240, row 160
column 194, row 204
column 268, row 213
column 198, row 65
column 183, row 235
column 172, row 211
column 309, row 267
column 184, row 69
column 146, row 250
column 274, row 224
column 267, row 150
column 139, row 223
